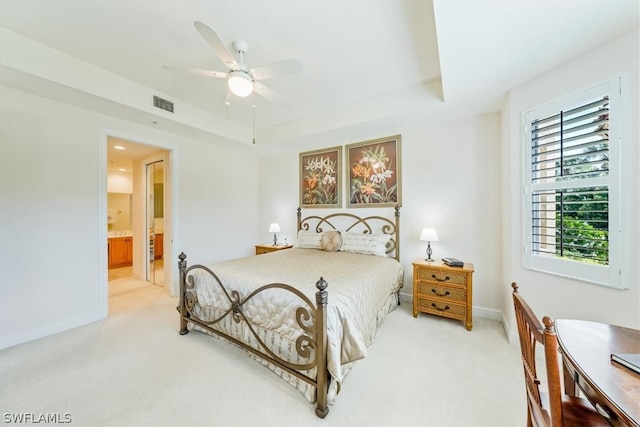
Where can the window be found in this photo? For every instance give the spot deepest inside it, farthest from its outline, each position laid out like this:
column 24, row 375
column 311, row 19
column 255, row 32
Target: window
column 571, row 198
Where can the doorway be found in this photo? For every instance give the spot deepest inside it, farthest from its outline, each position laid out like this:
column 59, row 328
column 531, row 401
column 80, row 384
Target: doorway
column 138, row 175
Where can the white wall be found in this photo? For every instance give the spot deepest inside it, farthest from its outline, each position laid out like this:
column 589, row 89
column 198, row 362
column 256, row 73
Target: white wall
column 119, row 182
column 53, row 199
column 460, row 176
column 451, row 181
column 551, row 295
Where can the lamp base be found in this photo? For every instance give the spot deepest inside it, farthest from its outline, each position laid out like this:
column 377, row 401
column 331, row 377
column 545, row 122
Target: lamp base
column 275, row 240
column 429, row 252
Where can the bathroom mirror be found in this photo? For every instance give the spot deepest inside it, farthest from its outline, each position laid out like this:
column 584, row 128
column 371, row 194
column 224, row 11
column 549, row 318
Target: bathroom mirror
column 155, row 222
column 119, row 211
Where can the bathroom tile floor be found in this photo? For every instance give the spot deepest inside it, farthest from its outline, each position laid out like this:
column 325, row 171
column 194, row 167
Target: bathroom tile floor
column 119, row 273
column 123, row 272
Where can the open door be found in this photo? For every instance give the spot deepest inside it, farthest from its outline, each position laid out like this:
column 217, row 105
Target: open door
column 154, row 223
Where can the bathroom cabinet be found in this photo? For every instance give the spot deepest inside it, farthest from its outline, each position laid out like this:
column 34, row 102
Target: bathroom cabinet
column 158, row 245
column 120, row 251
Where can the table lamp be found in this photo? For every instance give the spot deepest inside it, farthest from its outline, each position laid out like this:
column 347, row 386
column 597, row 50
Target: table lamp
column 274, row 228
column 429, row 235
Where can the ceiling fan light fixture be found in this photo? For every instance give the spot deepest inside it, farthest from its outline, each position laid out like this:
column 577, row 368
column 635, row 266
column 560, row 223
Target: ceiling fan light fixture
column 240, row 83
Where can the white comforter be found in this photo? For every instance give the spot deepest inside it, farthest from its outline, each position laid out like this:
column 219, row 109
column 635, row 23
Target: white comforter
column 358, row 286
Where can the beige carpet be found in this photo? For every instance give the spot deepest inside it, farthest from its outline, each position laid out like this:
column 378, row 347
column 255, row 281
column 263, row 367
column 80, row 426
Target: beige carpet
column 129, row 294
column 134, row 369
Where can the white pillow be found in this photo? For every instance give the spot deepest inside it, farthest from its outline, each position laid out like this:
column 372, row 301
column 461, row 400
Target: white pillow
column 368, row 244
column 331, row 241
column 309, row 239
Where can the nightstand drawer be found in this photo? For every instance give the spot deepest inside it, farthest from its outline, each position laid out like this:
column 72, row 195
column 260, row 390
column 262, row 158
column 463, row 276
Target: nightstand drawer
column 445, row 292
column 458, row 278
column 442, row 308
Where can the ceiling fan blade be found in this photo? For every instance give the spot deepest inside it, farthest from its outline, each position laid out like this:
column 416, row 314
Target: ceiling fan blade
column 269, row 94
column 287, row 66
column 212, row 38
column 196, row 71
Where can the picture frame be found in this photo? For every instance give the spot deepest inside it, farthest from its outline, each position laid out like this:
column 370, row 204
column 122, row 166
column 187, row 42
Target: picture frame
column 321, row 178
column 374, row 177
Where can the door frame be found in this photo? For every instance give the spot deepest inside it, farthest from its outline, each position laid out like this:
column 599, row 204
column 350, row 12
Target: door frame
column 171, row 209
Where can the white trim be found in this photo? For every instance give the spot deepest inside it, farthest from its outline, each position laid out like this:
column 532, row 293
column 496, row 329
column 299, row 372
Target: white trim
column 488, row 313
column 171, row 223
column 103, row 268
column 510, row 333
column 406, row 298
column 597, row 274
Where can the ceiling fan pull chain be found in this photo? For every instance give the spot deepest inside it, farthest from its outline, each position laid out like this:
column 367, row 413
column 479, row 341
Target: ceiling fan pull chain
column 253, row 109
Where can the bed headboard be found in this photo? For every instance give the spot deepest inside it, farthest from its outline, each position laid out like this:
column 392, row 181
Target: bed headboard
column 345, row 221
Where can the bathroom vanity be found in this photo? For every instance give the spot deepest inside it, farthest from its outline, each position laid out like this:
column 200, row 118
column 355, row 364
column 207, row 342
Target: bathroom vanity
column 120, row 250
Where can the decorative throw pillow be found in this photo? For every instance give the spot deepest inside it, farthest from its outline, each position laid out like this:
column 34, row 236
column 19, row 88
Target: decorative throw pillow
column 309, row 240
column 368, row 244
column 331, row 241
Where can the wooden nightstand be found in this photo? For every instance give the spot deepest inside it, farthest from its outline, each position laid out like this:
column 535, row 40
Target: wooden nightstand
column 266, row 248
column 442, row 290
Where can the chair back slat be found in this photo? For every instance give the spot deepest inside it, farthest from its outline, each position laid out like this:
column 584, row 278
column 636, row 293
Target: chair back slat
column 550, row 408
column 553, row 371
column 531, row 332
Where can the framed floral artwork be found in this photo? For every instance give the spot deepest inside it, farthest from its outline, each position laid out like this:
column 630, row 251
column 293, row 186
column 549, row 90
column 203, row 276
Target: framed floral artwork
column 374, row 178
column 320, row 183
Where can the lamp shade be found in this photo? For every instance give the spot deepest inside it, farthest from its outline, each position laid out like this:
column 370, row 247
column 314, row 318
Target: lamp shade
column 274, row 228
column 240, row 83
column 429, row 235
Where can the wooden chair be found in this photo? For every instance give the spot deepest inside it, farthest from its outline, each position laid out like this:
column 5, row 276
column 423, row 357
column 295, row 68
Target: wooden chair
column 551, row 408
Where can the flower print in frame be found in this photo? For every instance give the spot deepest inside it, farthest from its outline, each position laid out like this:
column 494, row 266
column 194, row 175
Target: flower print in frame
column 373, row 169
column 320, row 173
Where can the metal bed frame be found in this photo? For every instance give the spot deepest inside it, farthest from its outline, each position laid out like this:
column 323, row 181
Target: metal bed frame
column 311, row 343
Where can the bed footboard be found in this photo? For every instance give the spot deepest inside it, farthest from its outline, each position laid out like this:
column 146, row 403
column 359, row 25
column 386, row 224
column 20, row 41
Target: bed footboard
column 311, row 341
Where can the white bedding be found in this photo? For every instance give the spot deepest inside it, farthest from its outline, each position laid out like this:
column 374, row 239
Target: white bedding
column 359, row 288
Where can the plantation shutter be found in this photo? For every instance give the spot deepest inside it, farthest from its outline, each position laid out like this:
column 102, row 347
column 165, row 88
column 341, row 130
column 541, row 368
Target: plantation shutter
column 569, row 183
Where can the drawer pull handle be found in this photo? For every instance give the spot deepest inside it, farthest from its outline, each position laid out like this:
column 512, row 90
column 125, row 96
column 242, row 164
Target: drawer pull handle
column 438, row 279
column 446, row 307
column 603, row 410
column 443, row 294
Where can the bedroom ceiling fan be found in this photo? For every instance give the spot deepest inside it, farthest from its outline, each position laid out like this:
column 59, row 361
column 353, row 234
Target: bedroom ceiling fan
column 241, row 80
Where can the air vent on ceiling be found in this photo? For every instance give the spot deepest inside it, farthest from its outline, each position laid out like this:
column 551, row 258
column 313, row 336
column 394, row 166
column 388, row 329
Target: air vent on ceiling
column 163, row 104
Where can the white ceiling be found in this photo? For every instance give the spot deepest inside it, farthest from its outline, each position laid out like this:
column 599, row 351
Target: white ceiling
column 121, row 160
column 362, row 60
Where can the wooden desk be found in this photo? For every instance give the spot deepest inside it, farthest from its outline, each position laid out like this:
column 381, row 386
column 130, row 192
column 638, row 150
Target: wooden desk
column 613, row 389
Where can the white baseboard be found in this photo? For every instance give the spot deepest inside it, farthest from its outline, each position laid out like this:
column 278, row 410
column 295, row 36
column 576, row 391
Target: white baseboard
column 22, row 337
column 512, row 334
column 406, row 298
column 488, row 313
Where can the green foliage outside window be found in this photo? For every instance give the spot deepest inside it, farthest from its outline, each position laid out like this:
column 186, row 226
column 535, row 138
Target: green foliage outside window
column 584, row 231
